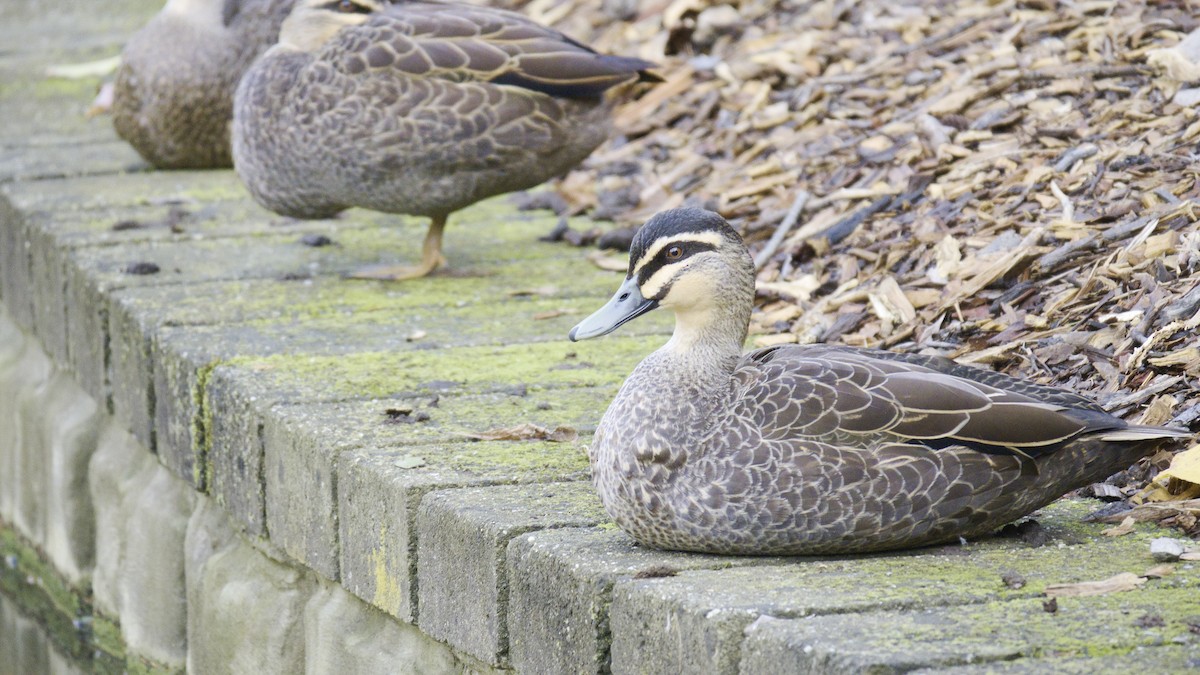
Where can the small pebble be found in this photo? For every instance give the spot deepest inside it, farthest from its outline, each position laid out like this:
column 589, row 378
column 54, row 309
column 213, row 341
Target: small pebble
column 1013, row 580
column 315, row 240
column 1165, row 549
column 142, row 268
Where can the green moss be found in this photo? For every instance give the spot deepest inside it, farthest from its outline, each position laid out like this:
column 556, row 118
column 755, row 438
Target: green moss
column 49, row 88
column 93, row 642
column 389, row 592
column 63, row 598
column 202, row 425
column 466, row 369
column 1095, row 626
column 106, row 636
column 43, row 594
column 136, row 665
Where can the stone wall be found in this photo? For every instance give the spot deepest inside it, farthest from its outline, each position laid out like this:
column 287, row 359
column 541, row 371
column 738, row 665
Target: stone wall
column 167, row 571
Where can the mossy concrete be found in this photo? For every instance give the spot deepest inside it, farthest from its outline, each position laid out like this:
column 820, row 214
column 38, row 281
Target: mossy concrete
column 379, row 492
column 462, row 540
column 696, row 620
column 560, row 591
column 247, row 390
column 892, row 641
column 1155, row 659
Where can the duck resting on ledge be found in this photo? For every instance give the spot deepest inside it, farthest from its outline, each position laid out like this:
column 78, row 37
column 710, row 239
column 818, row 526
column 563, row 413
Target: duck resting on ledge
column 420, row 108
column 173, row 96
column 819, row 449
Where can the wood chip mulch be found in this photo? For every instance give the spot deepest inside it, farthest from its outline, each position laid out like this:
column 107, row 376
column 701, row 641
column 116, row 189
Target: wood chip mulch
column 1006, row 183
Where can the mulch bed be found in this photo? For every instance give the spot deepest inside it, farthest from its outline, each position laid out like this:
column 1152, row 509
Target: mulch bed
column 1012, row 184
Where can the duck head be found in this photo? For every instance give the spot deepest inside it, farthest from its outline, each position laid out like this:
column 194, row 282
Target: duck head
column 687, row 260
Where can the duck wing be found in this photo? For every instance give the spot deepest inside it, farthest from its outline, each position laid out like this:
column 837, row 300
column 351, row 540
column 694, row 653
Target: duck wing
column 864, row 397
column 469, row 43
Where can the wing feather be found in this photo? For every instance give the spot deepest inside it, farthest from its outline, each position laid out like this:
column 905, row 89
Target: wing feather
column 468, row 43
column 927, row 402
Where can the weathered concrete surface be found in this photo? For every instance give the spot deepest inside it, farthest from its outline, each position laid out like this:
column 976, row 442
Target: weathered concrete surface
column 463, row 538
column 119, row 468
column 695, row 621
column 48, row 432
column 998, row 631
column 345, row 635
column 245, row 611
column 560, row 590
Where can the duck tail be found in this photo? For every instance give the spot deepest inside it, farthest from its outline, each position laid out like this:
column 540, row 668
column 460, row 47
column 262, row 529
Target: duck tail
column 1135, row 432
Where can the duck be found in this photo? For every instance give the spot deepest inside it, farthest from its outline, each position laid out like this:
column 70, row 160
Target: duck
column 418, row 108
column 173, row 91
column 819, row 449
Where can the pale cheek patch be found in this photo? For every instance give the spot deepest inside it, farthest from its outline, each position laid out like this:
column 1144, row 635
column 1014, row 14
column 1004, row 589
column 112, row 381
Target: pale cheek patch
column 657, row 281
column 688, row 291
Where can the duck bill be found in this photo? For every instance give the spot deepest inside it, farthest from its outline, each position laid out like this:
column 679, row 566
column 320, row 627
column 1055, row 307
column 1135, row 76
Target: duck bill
column 626, row 305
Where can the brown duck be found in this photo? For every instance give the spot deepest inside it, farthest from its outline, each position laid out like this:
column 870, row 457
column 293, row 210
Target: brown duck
column 819, row 449
column 419, row 108
column 173, row 95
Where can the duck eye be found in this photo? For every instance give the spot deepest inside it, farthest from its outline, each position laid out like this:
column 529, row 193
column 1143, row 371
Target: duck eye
column 674, row 253
column 347, row 6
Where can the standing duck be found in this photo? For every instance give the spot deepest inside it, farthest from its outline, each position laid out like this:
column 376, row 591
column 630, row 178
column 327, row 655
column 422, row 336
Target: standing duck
column 818, row 449
column 173, row 96
column 419, row 108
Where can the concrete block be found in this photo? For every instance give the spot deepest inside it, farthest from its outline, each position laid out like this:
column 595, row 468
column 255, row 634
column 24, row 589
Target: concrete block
column 236, row 475
column 31, row 376
column 245, row 610
column 695, row 621
column 41, row 162
column 462, row 537
column 1157, row 659
column 131, row 375
column 345, row 635
column 153, row 590
column 560, row 590
column 12, row 379
column 47, row 283
column 88, row 332
column 303, row 443
column 15, row 287
column 117, row 471
column 380, row 489
column 900, row 641
column 70, row 424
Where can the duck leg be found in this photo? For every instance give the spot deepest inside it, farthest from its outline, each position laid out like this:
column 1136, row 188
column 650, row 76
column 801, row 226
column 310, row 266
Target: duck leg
column 431, row 258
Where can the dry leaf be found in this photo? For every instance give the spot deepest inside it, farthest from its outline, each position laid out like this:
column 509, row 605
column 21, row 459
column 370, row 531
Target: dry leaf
column 1178, row 482
column 1126, row 527
column 1159, row 571
column 1125, row 581
column 528, row 432
column 611, row 263
column 408, row 462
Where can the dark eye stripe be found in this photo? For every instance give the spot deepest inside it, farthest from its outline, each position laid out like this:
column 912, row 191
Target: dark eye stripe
column 351, row 8
column 659, row 261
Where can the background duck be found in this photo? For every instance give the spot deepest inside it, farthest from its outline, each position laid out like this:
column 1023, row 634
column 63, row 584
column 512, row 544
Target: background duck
column 819, row 449
column 419, row 108
column 173, row 96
